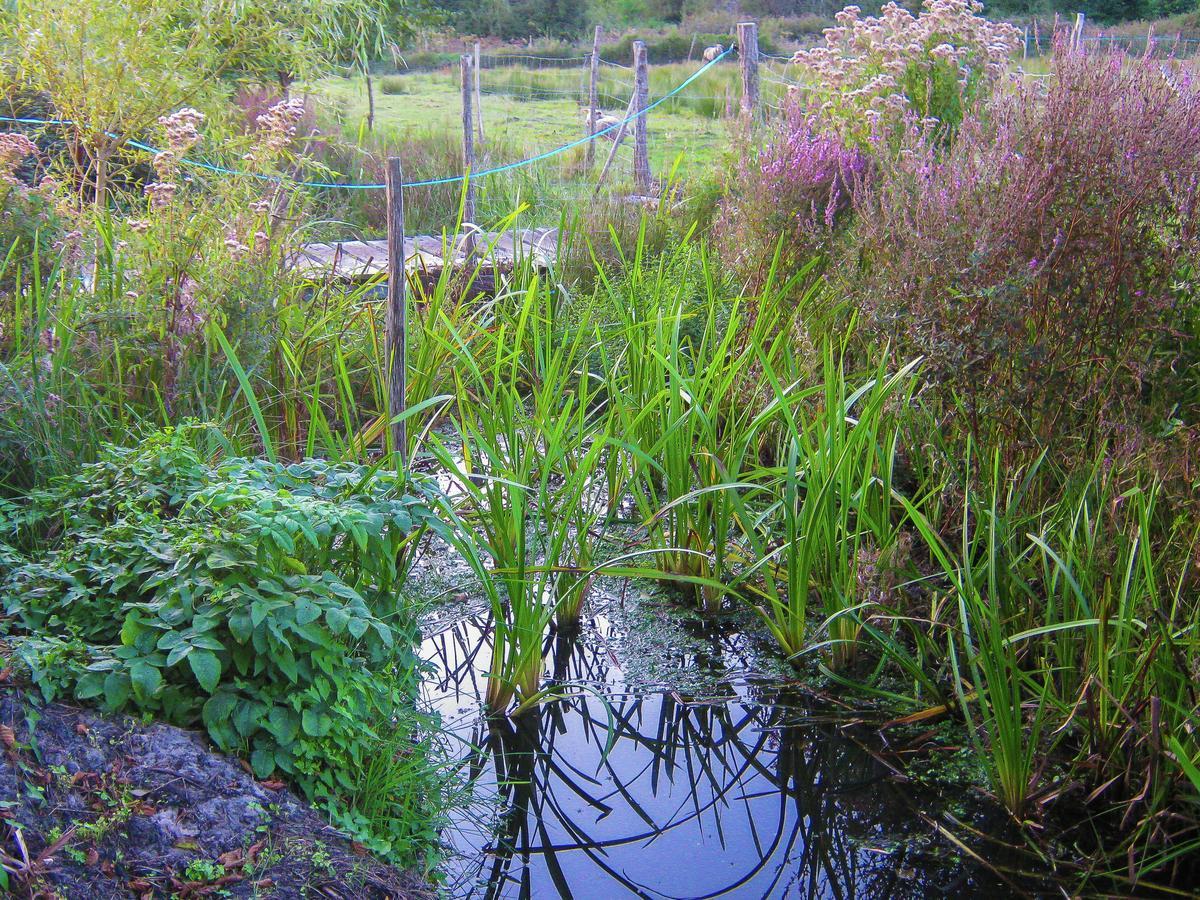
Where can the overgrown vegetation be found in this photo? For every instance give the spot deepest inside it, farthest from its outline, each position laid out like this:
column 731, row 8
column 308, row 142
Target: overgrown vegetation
column 917, row 385
column 256, row 599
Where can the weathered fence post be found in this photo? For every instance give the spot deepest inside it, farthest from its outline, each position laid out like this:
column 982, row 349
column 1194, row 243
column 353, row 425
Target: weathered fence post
column 594, row 96
column 395, row 343
column 1025, row 45
column 1077, row 32
column 468, row 121
column 641, row 94
column 478, row 96
column 747, row 38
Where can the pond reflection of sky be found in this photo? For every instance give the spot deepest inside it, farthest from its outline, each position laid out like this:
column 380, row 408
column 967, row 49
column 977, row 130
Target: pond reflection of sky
column 622, row 791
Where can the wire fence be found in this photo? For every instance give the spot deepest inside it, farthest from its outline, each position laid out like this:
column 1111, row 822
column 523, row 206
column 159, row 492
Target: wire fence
column 215, row 168
column 1037, row 45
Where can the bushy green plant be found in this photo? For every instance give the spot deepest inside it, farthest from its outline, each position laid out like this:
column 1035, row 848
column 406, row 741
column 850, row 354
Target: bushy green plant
column 257, row 599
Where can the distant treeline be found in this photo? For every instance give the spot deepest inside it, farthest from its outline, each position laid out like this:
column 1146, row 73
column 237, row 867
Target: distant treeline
column 569, row 20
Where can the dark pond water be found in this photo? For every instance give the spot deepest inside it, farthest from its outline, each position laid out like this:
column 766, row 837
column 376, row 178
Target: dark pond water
column 676, row 766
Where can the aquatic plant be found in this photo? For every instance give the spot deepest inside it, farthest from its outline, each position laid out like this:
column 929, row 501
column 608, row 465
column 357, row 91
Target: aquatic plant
column 677, row 363
column 833, row 498
column 985, row 584
column 530, row 453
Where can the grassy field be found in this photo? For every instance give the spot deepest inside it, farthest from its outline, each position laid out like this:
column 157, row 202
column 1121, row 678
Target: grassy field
column 539, row 109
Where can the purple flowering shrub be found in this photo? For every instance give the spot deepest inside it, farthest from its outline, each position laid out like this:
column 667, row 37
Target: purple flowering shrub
column 1041, row 261
column 791, row 197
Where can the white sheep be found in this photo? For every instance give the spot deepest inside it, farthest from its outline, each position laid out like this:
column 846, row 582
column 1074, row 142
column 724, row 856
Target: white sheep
column 711, row 53
column 603, row 121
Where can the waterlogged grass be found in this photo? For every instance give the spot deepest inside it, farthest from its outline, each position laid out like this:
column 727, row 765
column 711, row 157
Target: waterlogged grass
column 743, row 457
column 530, row 453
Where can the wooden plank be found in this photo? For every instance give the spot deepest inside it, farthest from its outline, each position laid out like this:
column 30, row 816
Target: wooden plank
column 503, row 247
column 358, row 260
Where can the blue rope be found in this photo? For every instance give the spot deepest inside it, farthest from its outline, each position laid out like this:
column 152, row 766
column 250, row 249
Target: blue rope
column 432, row 182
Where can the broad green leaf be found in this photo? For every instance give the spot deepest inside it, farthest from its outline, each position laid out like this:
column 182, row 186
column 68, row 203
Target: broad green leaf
column 306, row 611
column 146, row 679
column 178, row 654
column 262, row 761
column 283, row 723
column 116, row 689
column 206, row 667
column 316, row 723
column 337, row 619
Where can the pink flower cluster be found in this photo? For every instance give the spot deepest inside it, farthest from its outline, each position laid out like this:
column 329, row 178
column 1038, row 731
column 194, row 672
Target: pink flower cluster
column 811, row 172
column 182, row 132
column 277, row 128
column 14, row 148
column 187, row 315
column 870, row 67
column 789, row 198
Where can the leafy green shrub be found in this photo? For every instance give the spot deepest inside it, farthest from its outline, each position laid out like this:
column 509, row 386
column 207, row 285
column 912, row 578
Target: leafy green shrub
column 256, row 599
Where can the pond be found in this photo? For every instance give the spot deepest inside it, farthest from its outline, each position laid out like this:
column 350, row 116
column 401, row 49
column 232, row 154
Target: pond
column 681, row 761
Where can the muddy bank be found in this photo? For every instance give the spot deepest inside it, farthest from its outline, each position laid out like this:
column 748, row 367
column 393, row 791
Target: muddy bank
column 105, row 807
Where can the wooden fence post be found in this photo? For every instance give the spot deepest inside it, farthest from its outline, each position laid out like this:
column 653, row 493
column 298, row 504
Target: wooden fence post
column 478, row 96
column 468, row 122
column 1025, row 45
column 747, row 38
column 1077, row 32
column 641, row 94
column 395, row 344
column 594, row 96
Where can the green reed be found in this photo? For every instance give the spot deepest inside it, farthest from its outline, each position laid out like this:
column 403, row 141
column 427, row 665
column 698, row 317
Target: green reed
column 530, row 456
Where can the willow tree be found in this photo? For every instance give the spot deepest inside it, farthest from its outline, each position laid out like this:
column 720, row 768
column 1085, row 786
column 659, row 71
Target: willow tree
column 111, row 68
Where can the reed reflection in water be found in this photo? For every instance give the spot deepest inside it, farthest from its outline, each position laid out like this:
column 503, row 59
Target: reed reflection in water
column 611, row 793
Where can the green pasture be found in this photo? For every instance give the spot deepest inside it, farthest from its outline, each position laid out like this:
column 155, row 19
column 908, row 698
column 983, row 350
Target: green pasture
column 534, row 110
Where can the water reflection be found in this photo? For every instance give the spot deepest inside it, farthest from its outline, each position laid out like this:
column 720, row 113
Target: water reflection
column 661, row 795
